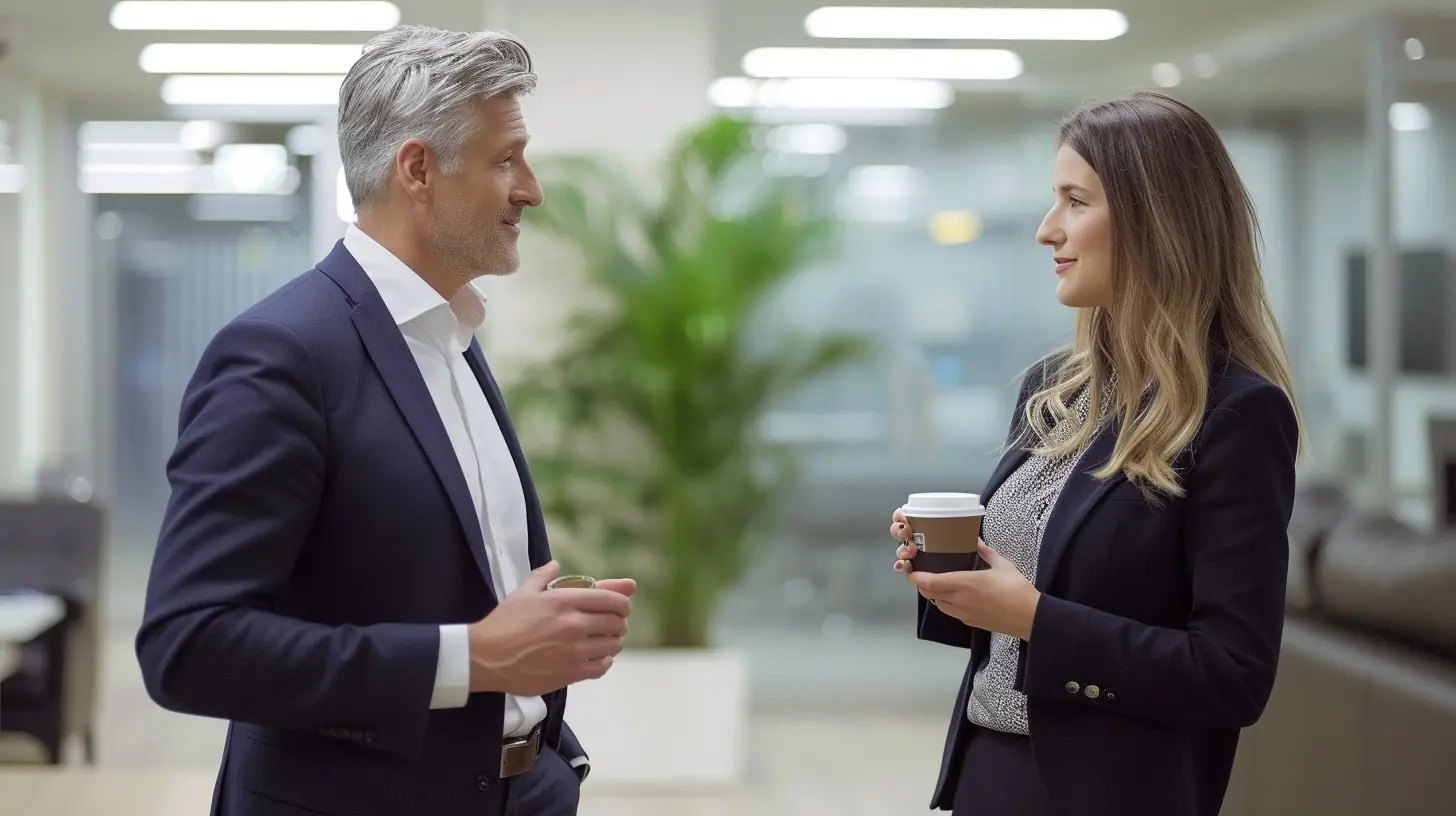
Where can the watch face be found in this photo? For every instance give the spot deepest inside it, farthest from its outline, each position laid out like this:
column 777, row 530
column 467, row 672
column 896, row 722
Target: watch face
column 572, row 582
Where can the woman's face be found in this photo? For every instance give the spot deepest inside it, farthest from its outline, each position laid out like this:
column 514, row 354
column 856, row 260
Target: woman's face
column 1079, row 231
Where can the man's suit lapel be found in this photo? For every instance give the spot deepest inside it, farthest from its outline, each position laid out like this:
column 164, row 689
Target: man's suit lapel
column 401, row 375
column 540, row 551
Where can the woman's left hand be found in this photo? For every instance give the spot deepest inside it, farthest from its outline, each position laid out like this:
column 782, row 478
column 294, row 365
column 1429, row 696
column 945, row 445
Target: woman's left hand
column 997, row 599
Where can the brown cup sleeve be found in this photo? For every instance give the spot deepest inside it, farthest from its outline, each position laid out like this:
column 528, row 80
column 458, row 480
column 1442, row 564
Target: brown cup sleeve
column 946, row 561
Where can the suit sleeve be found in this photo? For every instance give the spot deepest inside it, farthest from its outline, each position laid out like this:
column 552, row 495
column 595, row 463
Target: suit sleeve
column 930, row 623
column 247, row 478
column 570, row 750
column 1218, row 671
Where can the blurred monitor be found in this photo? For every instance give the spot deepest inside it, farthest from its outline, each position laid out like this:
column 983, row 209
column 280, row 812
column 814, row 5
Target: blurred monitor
column 1427, row 333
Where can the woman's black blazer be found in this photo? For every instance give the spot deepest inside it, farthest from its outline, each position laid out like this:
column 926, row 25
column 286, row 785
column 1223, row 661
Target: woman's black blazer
column 1157, row 635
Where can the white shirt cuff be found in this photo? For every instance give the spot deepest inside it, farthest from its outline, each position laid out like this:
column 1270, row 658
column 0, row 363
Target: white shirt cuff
column 582, row 766
column 452, row 670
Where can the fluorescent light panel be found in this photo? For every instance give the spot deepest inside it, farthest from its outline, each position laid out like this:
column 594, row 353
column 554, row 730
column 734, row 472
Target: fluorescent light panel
column 248, row 58
column 885, row 63
column 831, row 94
column 1408, row 117
column 892, row 23
column 12, row 178
column 251, row 90
column 254, row 15
column 151, row 179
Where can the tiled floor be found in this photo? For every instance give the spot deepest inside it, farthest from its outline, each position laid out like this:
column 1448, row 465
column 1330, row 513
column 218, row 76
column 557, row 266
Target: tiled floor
column 844, row 758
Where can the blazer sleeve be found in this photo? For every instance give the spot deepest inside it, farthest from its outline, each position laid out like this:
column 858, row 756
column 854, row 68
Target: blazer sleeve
column 930, row 623
column 247, row 476
column 1218, row 671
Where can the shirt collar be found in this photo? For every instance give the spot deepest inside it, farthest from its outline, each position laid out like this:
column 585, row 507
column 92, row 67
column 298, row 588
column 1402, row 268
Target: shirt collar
column 412, row 301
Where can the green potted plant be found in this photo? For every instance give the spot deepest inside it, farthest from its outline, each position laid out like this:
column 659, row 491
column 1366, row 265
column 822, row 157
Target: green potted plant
column 644, row 432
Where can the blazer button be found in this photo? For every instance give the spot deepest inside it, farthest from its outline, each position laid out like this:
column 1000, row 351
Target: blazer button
column 1109, row 696
column 482, row 783
column 1072, row 687
column 1092, row 692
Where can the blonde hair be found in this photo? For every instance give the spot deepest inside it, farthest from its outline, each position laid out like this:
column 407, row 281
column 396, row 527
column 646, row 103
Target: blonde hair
column 1187, row 288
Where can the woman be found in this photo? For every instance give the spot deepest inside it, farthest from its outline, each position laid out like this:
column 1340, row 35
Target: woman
column 1127, row 620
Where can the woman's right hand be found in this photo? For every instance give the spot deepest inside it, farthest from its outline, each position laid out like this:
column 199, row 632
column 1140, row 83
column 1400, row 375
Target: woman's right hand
column 905, row 552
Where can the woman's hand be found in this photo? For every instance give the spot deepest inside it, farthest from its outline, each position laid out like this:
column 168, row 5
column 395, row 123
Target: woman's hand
column 997, row 599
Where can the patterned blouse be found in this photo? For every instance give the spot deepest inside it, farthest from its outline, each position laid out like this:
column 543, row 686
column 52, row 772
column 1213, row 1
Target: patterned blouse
column 1014, row 524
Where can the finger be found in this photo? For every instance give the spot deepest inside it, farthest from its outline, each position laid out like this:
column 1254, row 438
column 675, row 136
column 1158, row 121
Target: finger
column 590, row 670
column 595, row 649
column 900, row 517
column 990, row 555
column 901, row 530
column 537, row 580
column 622, row 586
column 926, row 582
column 906, row 551
column 601, row 624
column 904, row 565
column 594, row 601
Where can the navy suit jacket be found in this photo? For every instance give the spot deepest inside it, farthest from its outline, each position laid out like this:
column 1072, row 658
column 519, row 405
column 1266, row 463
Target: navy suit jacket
column 319, row 531
column 1158, row 631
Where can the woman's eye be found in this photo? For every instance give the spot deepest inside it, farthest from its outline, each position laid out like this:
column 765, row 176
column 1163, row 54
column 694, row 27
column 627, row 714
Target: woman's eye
column 1076, row 203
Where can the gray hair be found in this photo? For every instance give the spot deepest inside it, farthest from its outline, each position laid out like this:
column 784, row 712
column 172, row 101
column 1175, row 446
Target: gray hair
column 416, row 82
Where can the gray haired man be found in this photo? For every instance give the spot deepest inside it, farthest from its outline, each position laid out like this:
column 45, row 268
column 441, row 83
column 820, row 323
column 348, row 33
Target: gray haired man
column 353, row 567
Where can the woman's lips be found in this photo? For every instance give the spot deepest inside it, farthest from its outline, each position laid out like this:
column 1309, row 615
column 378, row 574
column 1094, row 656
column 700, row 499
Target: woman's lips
column 1063, row 266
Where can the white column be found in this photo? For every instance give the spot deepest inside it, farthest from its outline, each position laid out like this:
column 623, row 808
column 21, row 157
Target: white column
column 328, row 227
column 1382, row 272
column 620, row 79
column 52, row 333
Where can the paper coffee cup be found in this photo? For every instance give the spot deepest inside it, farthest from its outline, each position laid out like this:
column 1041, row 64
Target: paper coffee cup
column 946, row 528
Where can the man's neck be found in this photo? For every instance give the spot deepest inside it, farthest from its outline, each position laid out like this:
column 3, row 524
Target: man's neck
column 395, row 235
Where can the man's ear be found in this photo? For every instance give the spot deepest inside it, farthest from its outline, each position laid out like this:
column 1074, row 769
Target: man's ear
column 413, row 170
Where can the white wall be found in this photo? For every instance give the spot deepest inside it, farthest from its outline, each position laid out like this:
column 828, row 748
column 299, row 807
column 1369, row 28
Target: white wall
column 620, row 79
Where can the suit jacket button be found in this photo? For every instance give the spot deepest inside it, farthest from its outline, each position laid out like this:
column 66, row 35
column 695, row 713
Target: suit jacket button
column 1092, row 692
column 1072, row 687
column 1109, row 696
column 482, row 783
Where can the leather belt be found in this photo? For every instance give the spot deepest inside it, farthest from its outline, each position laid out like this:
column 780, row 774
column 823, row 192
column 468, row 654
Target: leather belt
column 518, row 754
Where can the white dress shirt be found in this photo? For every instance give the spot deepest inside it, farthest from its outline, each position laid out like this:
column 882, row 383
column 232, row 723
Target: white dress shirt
column 438, row 333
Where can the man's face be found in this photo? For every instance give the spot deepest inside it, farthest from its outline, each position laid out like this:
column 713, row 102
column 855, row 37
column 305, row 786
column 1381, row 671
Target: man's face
column 477, row 211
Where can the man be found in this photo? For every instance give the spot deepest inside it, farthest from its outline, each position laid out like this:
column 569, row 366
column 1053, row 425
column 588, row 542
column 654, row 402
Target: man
column 353, row 565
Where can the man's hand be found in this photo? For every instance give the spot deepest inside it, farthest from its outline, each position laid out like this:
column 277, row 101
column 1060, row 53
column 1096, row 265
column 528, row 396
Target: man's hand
column 537, row 641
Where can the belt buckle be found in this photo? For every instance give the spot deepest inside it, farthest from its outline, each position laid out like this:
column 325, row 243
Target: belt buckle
column 518, row 754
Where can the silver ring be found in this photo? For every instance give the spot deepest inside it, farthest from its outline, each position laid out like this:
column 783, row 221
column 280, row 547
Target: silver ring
column 573, row 582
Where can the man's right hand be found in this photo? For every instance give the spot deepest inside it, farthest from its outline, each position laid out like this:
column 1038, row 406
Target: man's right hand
column 537, row 641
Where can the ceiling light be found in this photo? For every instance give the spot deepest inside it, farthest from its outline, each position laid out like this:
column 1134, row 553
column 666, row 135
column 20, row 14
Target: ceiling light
column 888, row 63
column 1167, row 75
column 1415, row 49
column 807, row 139
column 202, row 134
column 251, row 168
column 248, row 58
column 892, row 23
column 252, row 90
column 831, row 94
column 954, row 227
column 1410, row 116
column 254, row 15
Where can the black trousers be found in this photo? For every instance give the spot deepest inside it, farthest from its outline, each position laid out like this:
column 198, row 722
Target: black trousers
column 999, row 777
column 550, row 788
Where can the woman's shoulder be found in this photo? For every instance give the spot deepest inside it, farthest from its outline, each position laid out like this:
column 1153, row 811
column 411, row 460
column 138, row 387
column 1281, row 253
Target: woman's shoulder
column 1233, row 382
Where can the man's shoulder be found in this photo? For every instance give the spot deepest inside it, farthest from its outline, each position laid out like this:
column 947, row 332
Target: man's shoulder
column 307, row 317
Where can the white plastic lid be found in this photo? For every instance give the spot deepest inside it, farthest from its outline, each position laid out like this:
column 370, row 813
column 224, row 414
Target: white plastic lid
column 943, row 505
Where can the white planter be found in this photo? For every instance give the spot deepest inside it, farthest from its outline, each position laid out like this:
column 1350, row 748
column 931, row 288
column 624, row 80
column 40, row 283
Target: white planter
column 665, row 719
